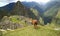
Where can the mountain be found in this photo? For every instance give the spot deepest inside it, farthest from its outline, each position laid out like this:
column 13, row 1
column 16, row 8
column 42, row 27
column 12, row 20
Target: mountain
column 57, row 17
column 28, row 5
column 51, row 12
column 58, row 14
column 35, row 5
column 30, row 9
column 51, row 4
column 17, row 9
column 6, row 9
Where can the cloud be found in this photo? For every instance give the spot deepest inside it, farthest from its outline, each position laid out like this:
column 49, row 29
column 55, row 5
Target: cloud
column 7, row 0
column 3, row 3
column 23, row 0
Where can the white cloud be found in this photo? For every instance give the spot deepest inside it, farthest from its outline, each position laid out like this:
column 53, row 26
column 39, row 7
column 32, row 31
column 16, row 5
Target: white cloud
column 25, row 0
column 36, row 0
column 3, row 2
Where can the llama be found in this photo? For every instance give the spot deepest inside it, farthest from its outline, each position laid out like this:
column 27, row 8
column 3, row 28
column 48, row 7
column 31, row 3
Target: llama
column 34, row 22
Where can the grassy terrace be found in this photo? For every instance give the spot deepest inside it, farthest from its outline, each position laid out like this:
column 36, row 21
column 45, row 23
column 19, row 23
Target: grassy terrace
column 30, row 31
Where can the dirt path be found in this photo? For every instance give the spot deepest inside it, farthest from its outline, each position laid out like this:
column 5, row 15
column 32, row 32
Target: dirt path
column 56, row 28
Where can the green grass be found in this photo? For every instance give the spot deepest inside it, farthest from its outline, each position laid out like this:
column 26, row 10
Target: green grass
column 30, row 31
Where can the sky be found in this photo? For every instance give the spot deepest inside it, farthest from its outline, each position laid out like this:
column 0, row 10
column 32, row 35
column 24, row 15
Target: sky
column 5, row 2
